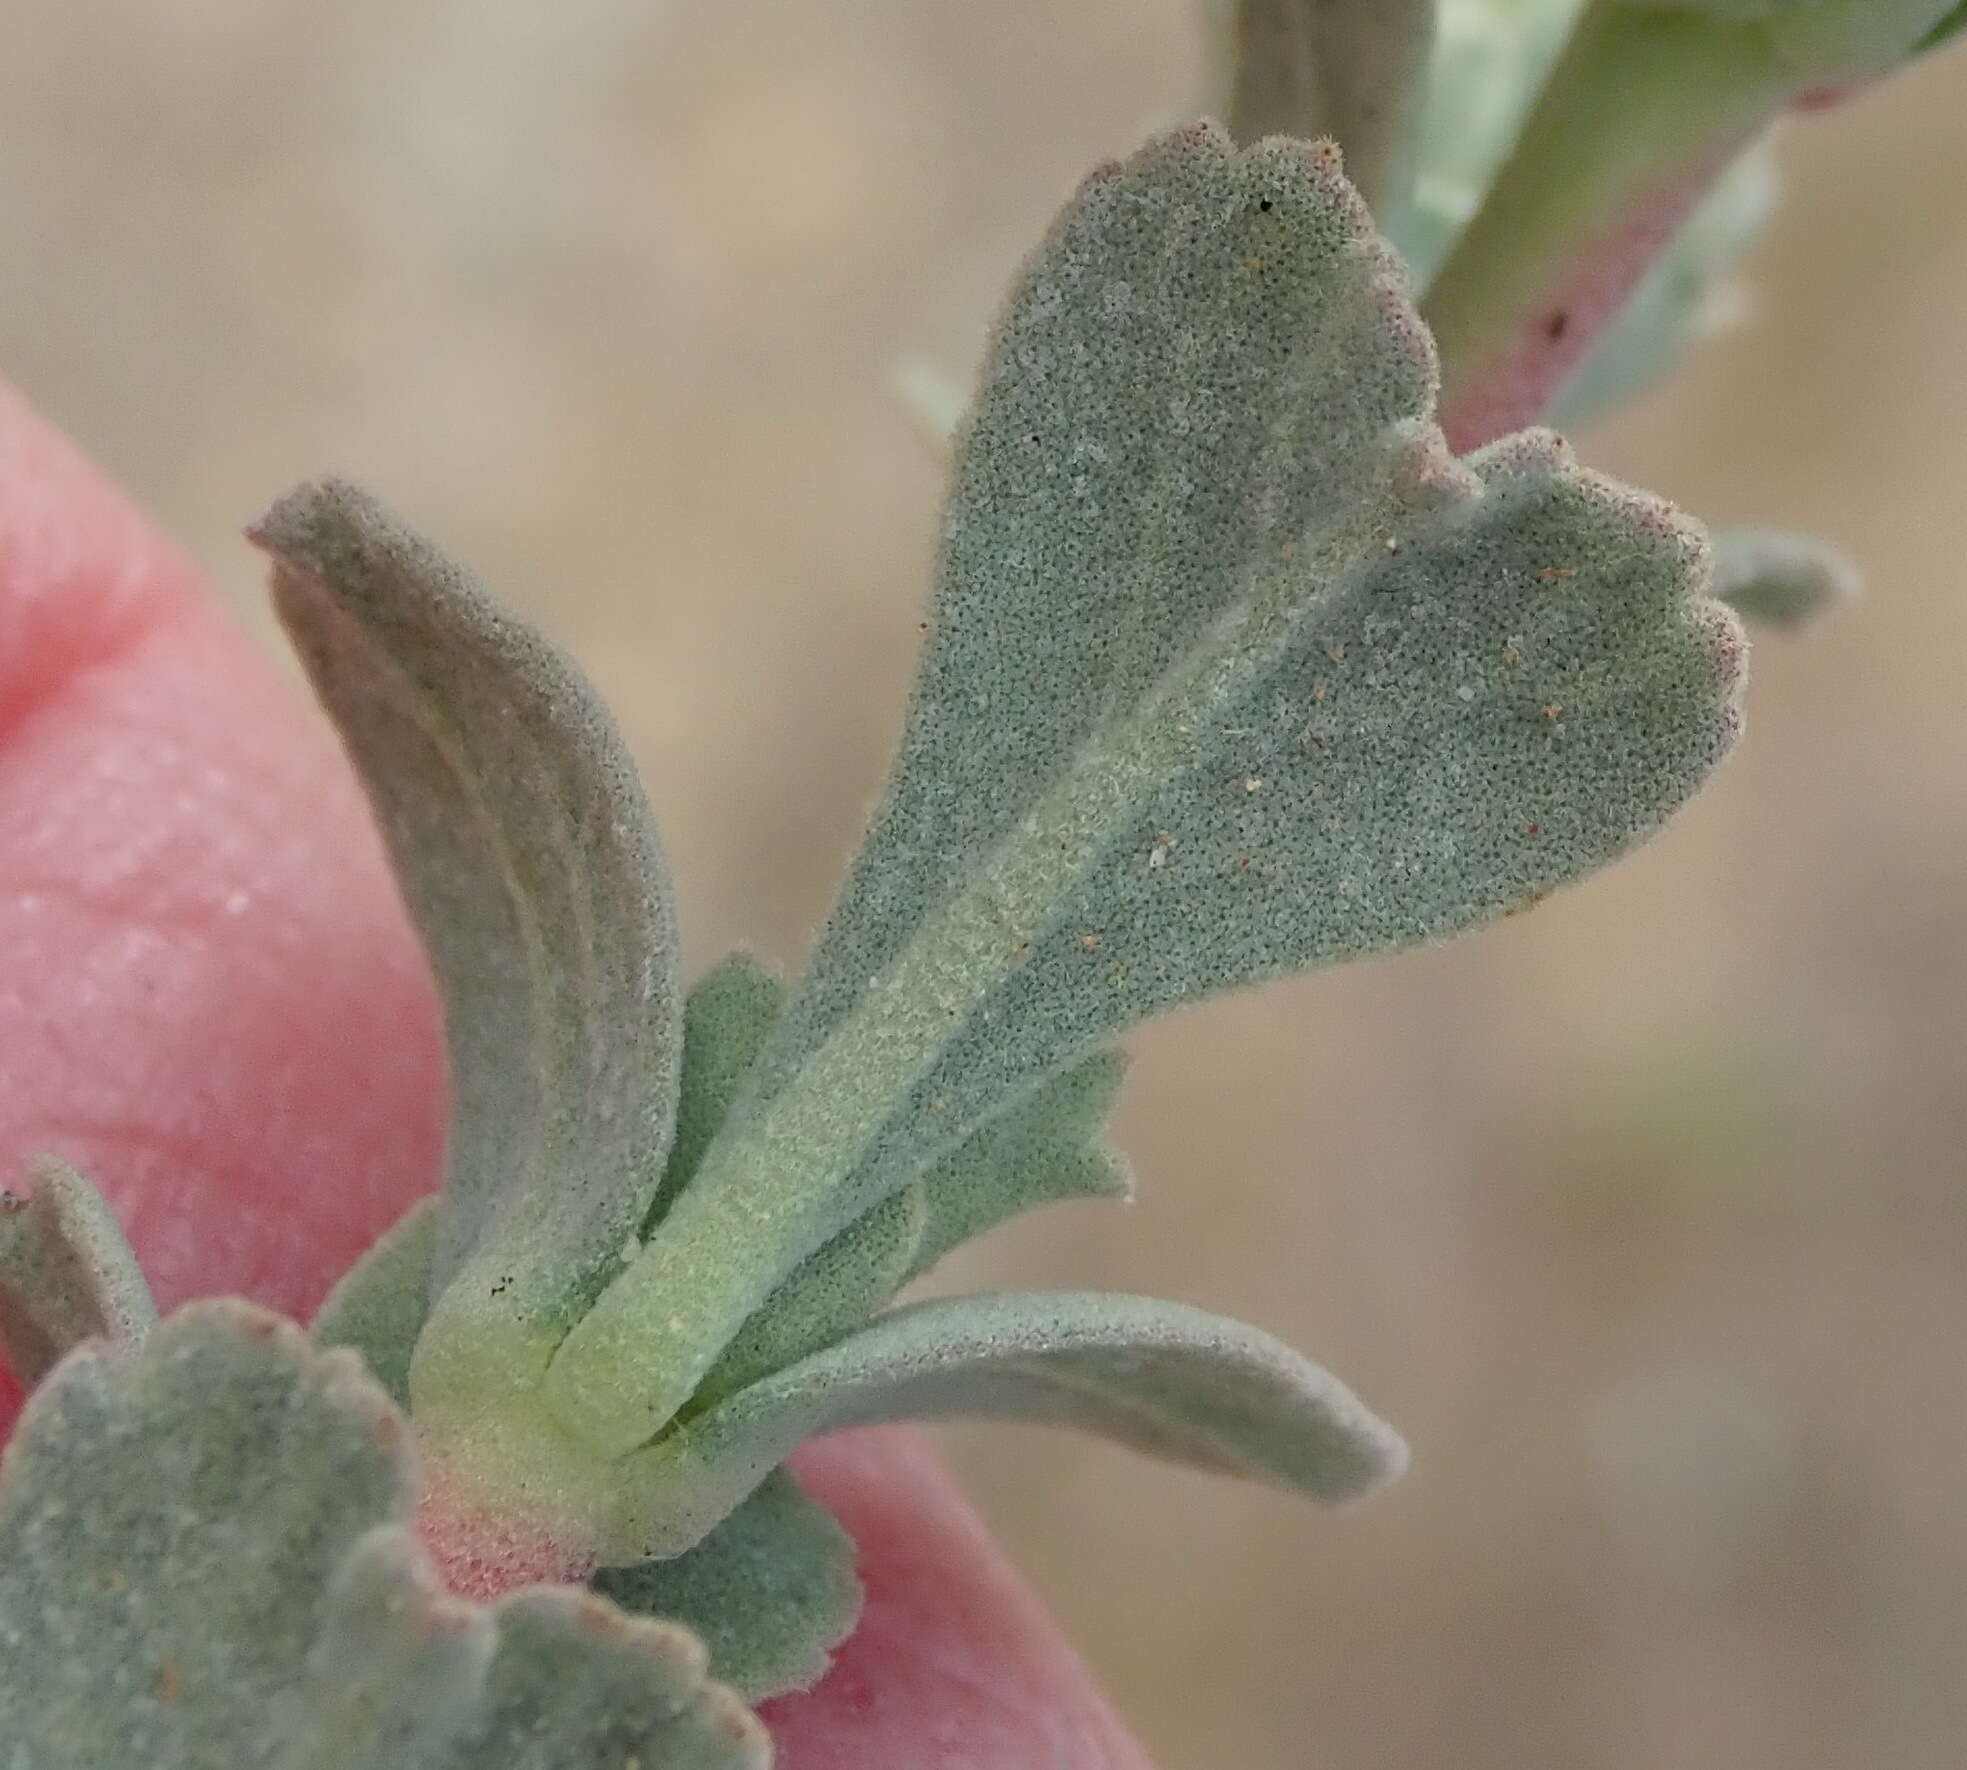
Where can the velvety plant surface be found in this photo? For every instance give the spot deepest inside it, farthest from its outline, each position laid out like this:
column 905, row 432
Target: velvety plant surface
column 198, row 978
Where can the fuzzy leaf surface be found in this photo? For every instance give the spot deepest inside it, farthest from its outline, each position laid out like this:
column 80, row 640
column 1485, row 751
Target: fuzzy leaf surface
column 1046, row 1149
column 770, row 1591
column 1237, row 638
column 831, row 1292
column 207, row 1558
column 527, row 854
column 1233, row 670
column 726, row 1016
column 403, row 1677
column 1163, row 1378
column 66, row 1273
column 169, row 1522
column 1779, row 579
column 380, row 1305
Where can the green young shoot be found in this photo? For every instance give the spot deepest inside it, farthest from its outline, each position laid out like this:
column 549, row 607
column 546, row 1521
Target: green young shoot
column 1233, row 671
column 1235, row 668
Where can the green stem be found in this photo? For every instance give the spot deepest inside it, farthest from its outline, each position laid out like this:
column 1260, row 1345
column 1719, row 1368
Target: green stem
column 1643, row 111
column 1355, row 70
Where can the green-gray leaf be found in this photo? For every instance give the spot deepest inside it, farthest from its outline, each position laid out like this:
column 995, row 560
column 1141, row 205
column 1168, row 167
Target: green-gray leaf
column 1233, row 671
column 1309, row 689
column 1779, row 579
column 169, row 1522
column 1167, row 1379
column 525, row 849
column 770, row 1591
column 378, row 1307
column 1046, row 1148
column 550, row 1678
column 207, row 1559
column 726, row 1016
column 830, row 1293
column 66, row 1273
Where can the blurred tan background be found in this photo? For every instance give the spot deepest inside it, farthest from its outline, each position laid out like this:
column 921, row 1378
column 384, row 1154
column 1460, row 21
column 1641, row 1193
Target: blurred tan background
column 1642, row 1215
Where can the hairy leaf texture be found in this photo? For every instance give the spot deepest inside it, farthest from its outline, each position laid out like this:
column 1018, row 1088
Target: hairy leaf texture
column 66, row 1273
column 207, row 1558
column 526, row 851
column 1232, row 670
column 1166, row 1379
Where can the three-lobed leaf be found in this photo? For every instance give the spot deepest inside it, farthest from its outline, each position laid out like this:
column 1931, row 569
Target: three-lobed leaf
column 1232, row 670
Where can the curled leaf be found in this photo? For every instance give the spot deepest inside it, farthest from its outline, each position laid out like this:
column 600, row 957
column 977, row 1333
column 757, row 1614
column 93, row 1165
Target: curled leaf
column 66, row 1273
column 1170, row 1380
column 525, row 849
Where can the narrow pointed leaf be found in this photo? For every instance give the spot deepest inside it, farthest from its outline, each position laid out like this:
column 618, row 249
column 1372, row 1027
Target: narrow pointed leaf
column 1232, row 671
column 66, row 1273
column 726, row 1016
column 208, row 1558
column 1778, row 579
column 1164, row 1378
column 526, row 851
column 1355, row 70
column 379, row 1307
column 1045, row 1149
column 770, row 1591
